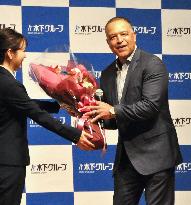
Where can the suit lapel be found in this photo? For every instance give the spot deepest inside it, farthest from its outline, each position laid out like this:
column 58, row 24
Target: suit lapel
column 131, row 69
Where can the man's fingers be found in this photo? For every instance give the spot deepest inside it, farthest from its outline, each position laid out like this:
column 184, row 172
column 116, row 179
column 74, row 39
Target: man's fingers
column 96, row 118
column 90, row 113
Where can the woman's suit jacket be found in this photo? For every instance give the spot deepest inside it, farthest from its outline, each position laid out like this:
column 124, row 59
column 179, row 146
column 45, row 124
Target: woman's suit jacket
column 142, row 117
column 15, row 107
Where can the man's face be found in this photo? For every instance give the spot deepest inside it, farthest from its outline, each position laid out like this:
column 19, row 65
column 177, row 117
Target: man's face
column 121, row 38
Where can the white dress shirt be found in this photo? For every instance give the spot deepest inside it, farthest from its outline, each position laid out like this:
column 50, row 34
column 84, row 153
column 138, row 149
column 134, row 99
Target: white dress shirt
column 121, row 75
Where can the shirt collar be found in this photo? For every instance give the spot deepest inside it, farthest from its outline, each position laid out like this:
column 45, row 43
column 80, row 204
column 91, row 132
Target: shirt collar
column 132, row 54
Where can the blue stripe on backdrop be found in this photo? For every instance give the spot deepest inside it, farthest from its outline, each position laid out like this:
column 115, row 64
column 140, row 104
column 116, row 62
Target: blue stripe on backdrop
column 183, row 171
column 90, row 3
column 147, row 25
column 45, row 27
column 176, row 4
column 54, row 198
column 93, row 168
column 10, row 2
column 179, row 68
column 38, row 135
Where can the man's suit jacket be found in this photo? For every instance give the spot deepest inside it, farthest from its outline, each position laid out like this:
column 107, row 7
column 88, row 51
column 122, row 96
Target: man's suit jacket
column 15, row 107
column 142, row 117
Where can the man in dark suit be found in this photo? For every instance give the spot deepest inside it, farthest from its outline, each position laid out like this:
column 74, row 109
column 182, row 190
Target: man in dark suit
column 15, row 107
column 135, row 88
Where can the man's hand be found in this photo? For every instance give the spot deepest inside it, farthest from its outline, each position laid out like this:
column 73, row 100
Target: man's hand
column 84, row 143
column 100, row 111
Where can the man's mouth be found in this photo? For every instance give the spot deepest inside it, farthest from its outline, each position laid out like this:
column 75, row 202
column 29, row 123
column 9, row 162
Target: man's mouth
column 121, row 48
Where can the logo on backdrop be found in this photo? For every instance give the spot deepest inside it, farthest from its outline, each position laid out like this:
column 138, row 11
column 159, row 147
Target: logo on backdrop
column 11, row 25
column 182, row 121
column 33, row 124
column 97, row 74
column 145, row 30
column 88, row 29
column 47, row 168
column 184, row 167
column 179, row 77
column 44, row 28
column 91, row 168
column 179, row 31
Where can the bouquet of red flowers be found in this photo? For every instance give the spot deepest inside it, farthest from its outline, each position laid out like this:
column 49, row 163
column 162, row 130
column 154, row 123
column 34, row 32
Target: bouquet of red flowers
column 73, row 86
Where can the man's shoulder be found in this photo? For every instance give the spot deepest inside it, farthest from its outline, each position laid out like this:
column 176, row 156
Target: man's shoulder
column 145, row 54
column 151, row 62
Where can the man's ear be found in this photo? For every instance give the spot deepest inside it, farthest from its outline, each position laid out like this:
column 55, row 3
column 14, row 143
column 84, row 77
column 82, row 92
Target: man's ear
column 135, row 37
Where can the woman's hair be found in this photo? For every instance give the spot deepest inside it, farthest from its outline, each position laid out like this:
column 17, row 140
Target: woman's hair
column 10, row 39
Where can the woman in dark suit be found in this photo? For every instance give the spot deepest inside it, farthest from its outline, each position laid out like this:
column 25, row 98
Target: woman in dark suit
column 15, row 107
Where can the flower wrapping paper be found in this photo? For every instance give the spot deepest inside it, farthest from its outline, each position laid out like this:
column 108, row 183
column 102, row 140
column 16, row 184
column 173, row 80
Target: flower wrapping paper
column 73, row 86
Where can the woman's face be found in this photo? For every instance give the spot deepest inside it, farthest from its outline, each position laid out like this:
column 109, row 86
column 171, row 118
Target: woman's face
column 18, row 56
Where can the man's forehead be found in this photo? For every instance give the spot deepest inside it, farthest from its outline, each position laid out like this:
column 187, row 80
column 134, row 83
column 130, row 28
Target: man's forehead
column 119, row 28
column 118, row 21
column 118, row 24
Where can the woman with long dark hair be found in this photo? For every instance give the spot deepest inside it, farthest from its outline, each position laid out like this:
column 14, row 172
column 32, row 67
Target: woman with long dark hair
column 15, row 107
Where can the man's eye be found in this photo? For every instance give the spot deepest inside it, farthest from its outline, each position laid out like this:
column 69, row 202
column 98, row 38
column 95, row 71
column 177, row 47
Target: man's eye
column 112, row 37
column 124, row 34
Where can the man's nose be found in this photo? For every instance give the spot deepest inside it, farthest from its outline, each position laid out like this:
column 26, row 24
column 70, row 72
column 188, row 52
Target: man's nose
column 119, row 38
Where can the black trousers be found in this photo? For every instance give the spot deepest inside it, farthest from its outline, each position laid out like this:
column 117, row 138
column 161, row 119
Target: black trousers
column 12, row 180
column 129, row 186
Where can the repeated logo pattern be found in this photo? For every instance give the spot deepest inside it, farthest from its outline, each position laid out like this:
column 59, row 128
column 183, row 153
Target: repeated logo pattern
column 59, row 172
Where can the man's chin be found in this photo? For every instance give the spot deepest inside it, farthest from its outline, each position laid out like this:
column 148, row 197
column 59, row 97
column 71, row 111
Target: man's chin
column 123, row 52
column 123, row 56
